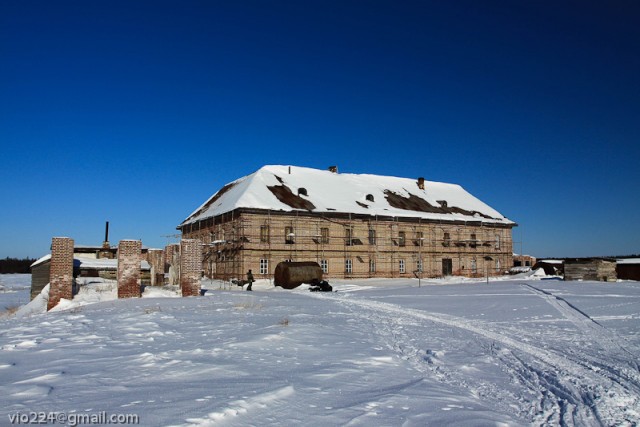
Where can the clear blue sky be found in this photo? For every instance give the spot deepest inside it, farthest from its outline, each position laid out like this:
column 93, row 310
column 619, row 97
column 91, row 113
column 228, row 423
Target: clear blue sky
column 136, row 112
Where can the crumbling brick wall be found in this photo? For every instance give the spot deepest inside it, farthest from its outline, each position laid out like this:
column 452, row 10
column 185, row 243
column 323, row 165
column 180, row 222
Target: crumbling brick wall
column 129, row 255
column 172, row 262
column 157, row 267
column 190, row 267
column 61, row 272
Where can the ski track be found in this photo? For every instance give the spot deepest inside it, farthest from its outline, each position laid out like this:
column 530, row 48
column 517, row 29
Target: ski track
column 606, row 339
column 568, row 390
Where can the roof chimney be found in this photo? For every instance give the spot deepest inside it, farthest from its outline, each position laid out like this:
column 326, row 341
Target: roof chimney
column 333, row 169
column 106, row 244
column 421, row 183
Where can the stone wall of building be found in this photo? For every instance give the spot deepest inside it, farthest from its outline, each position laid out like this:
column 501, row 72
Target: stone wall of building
column 353, row 248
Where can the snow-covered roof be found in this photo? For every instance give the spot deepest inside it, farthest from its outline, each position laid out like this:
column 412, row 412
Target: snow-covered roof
column 94, row 264
column 293, row 188
column 629, row 261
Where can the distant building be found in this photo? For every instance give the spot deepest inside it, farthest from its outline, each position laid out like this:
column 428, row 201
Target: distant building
column 598, row 269
column 628, row 269
column 353, row 226
column 523, row 260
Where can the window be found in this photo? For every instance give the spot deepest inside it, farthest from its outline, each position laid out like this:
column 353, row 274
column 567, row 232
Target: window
column 474, row 266
column 402, row 238
column 372, row 266
column 447, row 239
column 372, row 236
column 324, row 265
column 289, row 236
column 348, row 265
column 498, row 242
column 370, row 198
column 419, row 266
column 419, row 238
column 348, row 236
column 498, row 265
column 264, row 233
column 402, row 270
column 324, row 235
column 302, row 191
column 264, row 266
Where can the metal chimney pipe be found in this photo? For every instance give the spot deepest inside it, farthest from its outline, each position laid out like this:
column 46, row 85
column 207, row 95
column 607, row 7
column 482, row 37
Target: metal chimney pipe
column 106, row 232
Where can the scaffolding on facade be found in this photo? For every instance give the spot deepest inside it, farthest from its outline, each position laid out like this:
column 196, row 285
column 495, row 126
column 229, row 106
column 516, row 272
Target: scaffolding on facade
column 351, row 247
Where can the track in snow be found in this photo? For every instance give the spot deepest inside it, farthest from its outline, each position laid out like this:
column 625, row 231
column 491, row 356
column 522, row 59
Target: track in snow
column 605, row 338
column 551, row 388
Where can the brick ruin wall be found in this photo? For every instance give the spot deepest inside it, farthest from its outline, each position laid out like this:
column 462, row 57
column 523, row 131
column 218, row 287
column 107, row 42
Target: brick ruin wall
column 156, row 262
column 190, row 267
column 172, row 263
column 61, row 271
column 129, row 256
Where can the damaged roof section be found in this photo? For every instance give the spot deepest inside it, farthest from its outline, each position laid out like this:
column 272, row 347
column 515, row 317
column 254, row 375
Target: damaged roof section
column 286, row 196
column 290, row 188
column 418, row 204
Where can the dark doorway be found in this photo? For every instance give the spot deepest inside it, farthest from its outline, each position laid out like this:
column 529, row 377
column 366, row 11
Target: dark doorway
column 447, row 267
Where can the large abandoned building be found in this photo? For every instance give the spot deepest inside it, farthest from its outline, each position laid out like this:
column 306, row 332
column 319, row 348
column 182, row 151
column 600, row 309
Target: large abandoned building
column 352, row 225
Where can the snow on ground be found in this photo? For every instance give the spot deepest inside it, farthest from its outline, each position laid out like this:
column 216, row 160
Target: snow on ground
column 520, row 351
column 15, row 290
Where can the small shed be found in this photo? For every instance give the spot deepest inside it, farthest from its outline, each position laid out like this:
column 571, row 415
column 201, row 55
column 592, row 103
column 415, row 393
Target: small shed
column 628, row 269
column 597, row 269
column 551, row 267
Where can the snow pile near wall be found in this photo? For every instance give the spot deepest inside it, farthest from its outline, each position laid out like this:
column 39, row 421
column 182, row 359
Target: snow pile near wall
column 37, row 306
column 92, row 290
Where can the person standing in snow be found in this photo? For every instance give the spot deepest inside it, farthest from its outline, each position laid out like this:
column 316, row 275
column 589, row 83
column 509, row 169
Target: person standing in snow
column 249, row 279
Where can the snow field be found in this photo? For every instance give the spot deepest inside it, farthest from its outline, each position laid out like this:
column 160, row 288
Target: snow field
column 377, row 352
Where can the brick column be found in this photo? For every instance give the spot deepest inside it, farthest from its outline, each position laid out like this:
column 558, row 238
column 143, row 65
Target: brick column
column 61, row 271
column 190, row 267
column 129, row 255
column 157, row 267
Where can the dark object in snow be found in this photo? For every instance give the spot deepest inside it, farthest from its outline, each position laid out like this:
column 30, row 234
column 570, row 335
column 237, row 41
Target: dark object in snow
column 320, row 286
column 290, row 275
column 249, row 280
